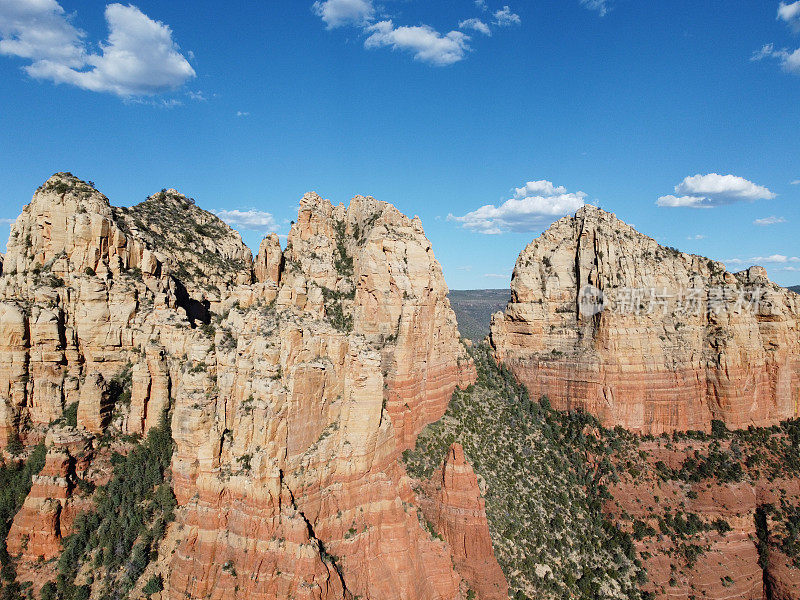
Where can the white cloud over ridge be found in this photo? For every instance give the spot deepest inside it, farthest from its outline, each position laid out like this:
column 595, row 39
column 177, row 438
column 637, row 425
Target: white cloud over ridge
column 337, row 13
column 780, row 259
column 763, row 222
column 533, row 205
column 254, row 220
column 713, row 189
column 139, row 58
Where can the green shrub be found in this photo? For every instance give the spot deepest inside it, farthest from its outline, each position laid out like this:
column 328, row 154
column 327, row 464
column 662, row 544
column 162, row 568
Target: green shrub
column 70, row 415
column 154, row 585
column 128, row 519
column 15, row 482
column 49, row 591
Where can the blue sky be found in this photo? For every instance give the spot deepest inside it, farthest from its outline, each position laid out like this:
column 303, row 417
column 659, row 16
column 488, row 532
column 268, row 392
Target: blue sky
column 681, row 117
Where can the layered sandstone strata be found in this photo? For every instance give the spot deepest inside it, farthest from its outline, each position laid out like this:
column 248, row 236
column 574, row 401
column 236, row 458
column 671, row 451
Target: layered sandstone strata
column 294, row 383
column 296, row 455
column 50, row 509
column 457, row 511
column 679, row 340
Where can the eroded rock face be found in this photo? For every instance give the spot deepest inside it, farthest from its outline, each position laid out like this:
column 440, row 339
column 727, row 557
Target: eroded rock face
column 302, row 434
column 50, row 508
column 269, row 261
column 94, row 404
column 457, row 511
column 294, row 384
column 679, row 341
column 703, row 537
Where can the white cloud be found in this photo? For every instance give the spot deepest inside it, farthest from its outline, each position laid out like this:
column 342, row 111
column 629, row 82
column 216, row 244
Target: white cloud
column 796, row 182
column 139, row 58
column 475, row 24
column 526, row 211
column 337, row 13
column 40, row 30
column 8, row 221
column 790, row 13
column 539, row 188
column 240, row 113
column 713, row 189
column 766, row 51
column 254, row 220
column 723, row 185
column 698, row 236
column 769, row 221
column 601, row 6
column 505, row 18
column 427, row 44
column 757, row 260
column 688, row 201
column 496, row 275
column 789, row 61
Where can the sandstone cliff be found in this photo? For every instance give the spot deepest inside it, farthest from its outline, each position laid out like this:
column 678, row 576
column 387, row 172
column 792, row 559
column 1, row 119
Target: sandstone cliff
column 679, row 342
column 294, row 384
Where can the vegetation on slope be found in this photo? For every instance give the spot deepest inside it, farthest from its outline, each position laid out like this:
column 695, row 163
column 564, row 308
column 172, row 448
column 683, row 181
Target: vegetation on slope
column 544, row 496
column 16, row 479
column 767, row 456
column 112, row 545
column 193, row 238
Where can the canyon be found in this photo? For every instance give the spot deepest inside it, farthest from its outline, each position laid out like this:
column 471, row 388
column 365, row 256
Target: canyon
column 180, row 419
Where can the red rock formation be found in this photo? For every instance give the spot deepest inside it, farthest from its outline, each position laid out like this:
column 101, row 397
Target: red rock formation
column 727, row 563
column 36, row 530
column 370, row 329
column 457, row 512
column 292, row 397
column 679, row 341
